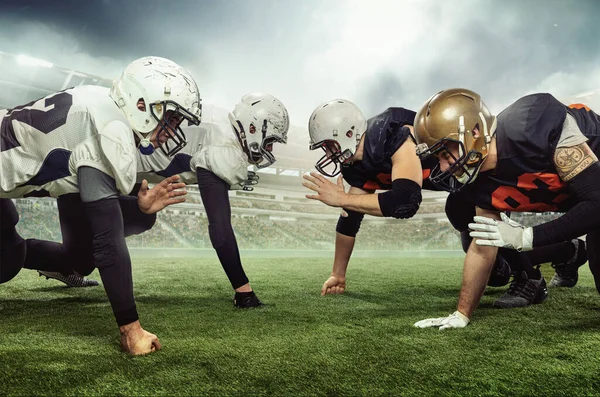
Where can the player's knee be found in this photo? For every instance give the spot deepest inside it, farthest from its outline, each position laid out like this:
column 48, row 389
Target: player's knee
column 593, row 253
column 9, row 216
column 459, row 212
column 500, row 275
column 465, row 240
column 12, row 258
column 13, row 248
column 143, row 223
column 134, row 220
column 81, row 261
column 219, row 233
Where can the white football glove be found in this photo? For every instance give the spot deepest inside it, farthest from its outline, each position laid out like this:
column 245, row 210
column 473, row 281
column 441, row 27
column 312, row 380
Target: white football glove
column 455, row 320
column 504, row 234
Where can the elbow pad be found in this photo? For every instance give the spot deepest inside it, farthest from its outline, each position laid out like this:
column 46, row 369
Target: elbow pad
column 402, row 201
column 349, row 225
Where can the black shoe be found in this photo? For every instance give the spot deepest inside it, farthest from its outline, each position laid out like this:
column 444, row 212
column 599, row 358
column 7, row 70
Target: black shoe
column 523, row 292
column 72, row 280
column 500, row 275
column 245, row 300
column 567, row 273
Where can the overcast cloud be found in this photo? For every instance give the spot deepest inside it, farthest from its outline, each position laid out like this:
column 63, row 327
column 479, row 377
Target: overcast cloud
column 376, row 53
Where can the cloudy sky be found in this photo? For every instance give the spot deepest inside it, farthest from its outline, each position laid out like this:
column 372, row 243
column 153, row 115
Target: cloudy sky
column 376, row 53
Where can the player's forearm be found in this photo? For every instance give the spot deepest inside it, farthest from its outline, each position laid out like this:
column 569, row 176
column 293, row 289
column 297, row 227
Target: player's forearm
column 111, row 257
column 363, row 203
column 478, row 265
column 117, row 281
column 581, row 218
column 344, row 245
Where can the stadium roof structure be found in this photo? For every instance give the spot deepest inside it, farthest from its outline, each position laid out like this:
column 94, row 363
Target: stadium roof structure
column 589, row 98
column 24, row 79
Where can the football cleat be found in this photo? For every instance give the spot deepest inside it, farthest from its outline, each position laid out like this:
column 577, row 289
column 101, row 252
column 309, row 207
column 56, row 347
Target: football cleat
column 72, row 280
column 245, row 300
column 567, row 273
column 523, row 292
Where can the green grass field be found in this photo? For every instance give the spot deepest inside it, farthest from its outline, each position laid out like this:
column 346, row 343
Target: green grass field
column 63, row 341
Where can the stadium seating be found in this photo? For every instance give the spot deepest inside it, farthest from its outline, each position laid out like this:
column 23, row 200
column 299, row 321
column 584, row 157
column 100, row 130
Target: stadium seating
column 189, row 229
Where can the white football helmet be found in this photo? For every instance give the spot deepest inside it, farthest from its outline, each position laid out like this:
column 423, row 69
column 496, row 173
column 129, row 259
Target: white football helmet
column 170, row 95
column 259, row 121
column 336, row 127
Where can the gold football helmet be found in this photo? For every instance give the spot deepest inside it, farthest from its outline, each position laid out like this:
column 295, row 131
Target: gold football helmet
column 455, row 115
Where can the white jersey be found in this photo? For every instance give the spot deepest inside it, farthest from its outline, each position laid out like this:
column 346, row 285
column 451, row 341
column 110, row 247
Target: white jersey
column 212, row 145
column 43, row 143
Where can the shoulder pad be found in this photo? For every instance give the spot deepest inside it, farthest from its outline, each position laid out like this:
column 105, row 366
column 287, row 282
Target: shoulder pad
column 227, row 162
column 118, row 147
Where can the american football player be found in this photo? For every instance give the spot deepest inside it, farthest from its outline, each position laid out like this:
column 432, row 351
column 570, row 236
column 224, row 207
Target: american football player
column 378, row 155
column 217, row 158
column 80, row 145
column 537, row 155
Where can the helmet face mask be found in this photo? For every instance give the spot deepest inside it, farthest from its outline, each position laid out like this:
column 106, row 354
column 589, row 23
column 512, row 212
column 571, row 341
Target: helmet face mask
column 156, row 94
column 461, row 171
column 260, row 120
column 334, row 157
column 336, row 127
column 170, row 125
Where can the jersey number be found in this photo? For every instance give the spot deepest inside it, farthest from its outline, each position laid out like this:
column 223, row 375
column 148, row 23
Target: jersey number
column 44, row 121
column 536, row 192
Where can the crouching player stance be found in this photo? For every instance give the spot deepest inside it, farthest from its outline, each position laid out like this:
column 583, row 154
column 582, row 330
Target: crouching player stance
column 78, row 249
column 537, row 155
column 374, row 155
column 217, row 158
column 82, row 142
column 377, row 155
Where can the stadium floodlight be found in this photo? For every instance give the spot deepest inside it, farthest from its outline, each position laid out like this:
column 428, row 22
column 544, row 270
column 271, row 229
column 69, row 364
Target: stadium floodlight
column 26, row 60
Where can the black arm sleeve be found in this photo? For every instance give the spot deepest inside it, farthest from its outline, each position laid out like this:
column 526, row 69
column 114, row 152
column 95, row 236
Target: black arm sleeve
column 579, row 220
column 111, row 256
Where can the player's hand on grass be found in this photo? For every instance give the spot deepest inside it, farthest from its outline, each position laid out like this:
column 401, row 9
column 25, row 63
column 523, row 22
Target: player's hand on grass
column 137, row 341
column 166, row 193
column 455, row 320
column 334, row 285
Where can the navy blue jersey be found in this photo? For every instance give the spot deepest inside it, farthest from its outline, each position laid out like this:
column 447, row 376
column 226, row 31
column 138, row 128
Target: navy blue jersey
column 525, row 178
column 383, row 138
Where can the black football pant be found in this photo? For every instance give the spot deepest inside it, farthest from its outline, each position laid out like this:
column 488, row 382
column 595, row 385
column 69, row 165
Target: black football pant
column 593, row 251
column 215, row 197
column 75, row 253
column 460, row 213
column 12, row 245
